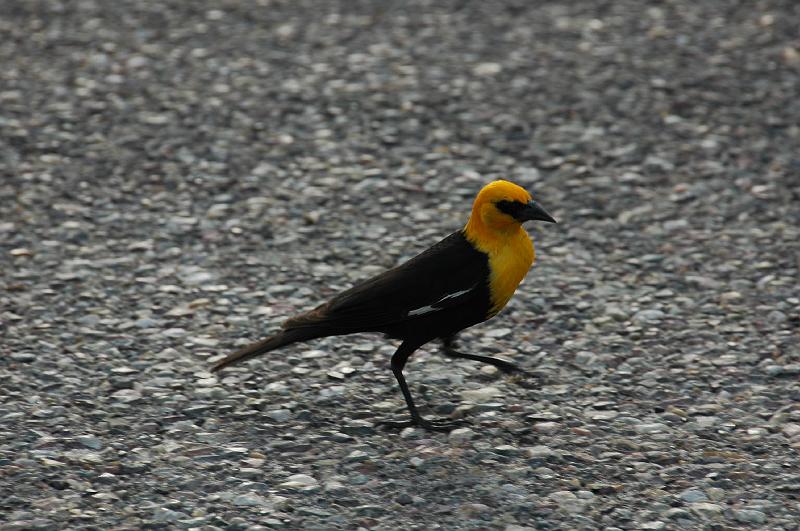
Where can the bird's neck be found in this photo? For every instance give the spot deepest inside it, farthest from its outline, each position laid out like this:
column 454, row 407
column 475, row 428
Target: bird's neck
column 510, row 253
column 492, row 240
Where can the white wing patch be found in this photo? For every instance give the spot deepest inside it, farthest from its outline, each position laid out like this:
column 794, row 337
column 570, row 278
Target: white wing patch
column 433, row 307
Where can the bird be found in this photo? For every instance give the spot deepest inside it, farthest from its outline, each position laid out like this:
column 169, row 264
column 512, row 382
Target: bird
column 462, row 280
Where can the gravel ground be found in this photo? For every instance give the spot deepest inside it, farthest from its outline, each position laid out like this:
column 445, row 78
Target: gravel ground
column 178, row 177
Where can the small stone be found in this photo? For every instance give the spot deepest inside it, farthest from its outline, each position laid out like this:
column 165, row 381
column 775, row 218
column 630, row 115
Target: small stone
column 460, row 435
column 562, row 496
column 616, row 313
column 472, row 509
column 22, row 357
column 604, row 489
column 677, row 513
column 174, row 332
column 604, row 415
column 704, row 422
column 358, row 427
column 167, row 515
column 539, row 452
column 487, row 69
column 478, row 396
column 647, row 316
column 107, row 478
column 106, row 496
column 146, row 322
column 706, row 510
column 692, row 496
column 280, row 415
column 153, row 119
column 585, row 358
column 791, row 430
column 498, row 333
column 655, row 524
column 280, row 503
column 250, row 473
column 370, row 510
column 726, row 360
column 300, row 481
column 127, row 396
column 791, row 369
column 251, row 500
column 358, row 479
column 547, row 427
column 204, row 341
column 336, row 487
column 312, row 511
column 749, row 516
column 651, row 427
column 197, row 277
column 777, row 317
column 89, row 441
column 356, row 456
column 507, row 449
column 675, row 224
column 567, row 501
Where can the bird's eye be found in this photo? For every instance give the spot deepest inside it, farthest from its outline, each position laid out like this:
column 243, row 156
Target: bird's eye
column 512, row 208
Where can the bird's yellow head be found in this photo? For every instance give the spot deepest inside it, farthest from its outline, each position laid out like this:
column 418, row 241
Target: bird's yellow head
column 500, row 207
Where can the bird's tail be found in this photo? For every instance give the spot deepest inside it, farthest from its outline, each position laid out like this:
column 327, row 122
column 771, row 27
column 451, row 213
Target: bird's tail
column 282, row 338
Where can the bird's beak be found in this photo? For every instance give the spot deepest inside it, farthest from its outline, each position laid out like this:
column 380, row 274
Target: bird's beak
column 534, row 211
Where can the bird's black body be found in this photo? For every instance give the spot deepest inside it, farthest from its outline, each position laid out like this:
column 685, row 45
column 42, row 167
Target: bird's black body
column 436, row 294
column 414, row 301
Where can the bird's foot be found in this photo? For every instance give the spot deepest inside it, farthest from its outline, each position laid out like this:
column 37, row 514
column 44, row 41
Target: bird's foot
column 520, row 376
column 509, row 368
column 421, row 423
column 506, row 367
column 528, row 379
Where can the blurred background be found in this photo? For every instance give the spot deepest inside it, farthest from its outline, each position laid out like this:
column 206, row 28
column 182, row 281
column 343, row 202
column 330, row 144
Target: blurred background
column 177, row 177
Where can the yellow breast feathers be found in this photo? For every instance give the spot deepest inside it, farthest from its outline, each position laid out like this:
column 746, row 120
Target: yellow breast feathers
column 508, row 265
column 493, row 231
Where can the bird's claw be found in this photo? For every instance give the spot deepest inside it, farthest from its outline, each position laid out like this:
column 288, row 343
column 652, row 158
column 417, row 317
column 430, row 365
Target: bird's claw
column 421, row 423
column 506, row 367
column 512, row 369
column 522, row 377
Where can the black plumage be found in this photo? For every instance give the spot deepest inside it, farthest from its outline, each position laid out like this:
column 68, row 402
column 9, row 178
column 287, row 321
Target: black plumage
column 434, row 295
column 449, row 287
column 449, row 280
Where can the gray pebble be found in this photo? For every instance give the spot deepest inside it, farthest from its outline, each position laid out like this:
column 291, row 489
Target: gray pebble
column 692, row 496
column 167, row 515
column 651, row 427
column 89, row 442
column 460, row 435
column 280, row 415
column 749, row 516
column 177, row 182
column 706, row 510
column 646, row 316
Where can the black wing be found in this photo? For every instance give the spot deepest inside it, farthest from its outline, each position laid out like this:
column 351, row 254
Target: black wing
column 449, row 274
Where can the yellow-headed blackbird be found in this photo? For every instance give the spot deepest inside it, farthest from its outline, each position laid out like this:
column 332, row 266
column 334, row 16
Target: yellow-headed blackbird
column 465, row 279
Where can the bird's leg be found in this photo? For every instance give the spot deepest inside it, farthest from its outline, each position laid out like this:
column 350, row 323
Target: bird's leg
column 398, row 362
column 505, row 366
